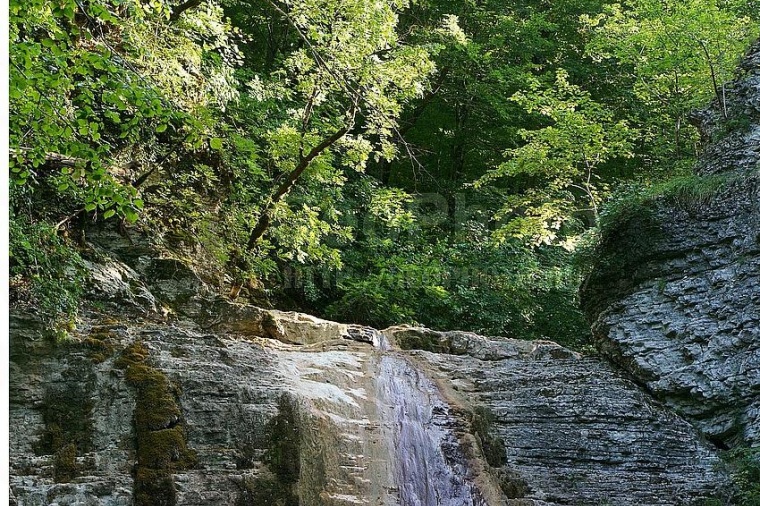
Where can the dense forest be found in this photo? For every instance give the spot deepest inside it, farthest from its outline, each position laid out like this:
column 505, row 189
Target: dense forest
column 444, row 162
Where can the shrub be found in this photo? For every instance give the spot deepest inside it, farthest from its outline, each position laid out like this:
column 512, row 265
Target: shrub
column 746, row 474
column 46, row 272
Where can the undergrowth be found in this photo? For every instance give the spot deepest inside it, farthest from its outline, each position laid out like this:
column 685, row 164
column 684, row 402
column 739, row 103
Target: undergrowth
column 46, row 273
column 745, row 464
column 690, row 193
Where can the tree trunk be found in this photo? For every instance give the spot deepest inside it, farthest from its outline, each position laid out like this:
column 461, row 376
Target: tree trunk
column 178, row 10
column 264, row 220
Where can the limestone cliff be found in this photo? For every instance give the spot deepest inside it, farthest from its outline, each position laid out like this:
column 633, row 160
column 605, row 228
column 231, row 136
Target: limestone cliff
column 221, row 403
column 675, row 293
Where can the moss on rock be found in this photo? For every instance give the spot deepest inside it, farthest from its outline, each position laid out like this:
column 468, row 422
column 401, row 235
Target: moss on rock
column 65, row 466
column 161, row 438
column 422, row 339
column 512, row 484
column 493, row 447
column 154, row 487
column 67, row 415
column 100, row 344
column 277, row 484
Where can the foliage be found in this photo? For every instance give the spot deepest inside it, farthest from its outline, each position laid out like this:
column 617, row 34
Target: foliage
column 690, row 193
column 675, row 56
column 746, row 474
column 329, row 106
column 45, row 272
column 106, row 86
column 476, row 285
column 495, row 49
column 564, row 155
column 102, row 93
column 430, row 161
column 68, row 96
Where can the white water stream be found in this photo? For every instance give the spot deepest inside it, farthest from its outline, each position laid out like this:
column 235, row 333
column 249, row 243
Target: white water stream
column 428, row 464
column 393, row 440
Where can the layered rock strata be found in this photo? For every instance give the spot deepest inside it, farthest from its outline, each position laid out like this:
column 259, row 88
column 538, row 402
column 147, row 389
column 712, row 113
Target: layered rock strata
column 674, row 296
column 350, row 416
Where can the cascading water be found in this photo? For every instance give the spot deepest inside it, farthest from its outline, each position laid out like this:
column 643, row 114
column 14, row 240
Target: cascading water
column 380, row 431
column 416, row 417
column 428, row 464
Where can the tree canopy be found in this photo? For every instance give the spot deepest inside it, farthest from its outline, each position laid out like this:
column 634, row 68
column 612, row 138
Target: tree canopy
column 429, row 161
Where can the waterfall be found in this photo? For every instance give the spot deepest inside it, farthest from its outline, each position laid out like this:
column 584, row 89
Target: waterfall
column 429, row 466
column 378, row 431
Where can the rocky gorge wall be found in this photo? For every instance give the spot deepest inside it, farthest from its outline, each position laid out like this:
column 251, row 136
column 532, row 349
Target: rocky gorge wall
column 675, row 293
column 167, row 395
column 223, row 403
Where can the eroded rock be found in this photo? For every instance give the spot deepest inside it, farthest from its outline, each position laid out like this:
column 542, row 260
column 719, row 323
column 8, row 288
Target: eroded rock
column 337, row 421
column 674, row 296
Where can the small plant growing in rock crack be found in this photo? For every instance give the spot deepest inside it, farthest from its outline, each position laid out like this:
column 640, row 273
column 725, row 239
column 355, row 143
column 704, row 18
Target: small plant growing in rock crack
column 745, row 471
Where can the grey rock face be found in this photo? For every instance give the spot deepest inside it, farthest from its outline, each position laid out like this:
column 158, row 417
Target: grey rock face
column 731, row 125
column 340, row 421
column 573, row 431
column 59, row 393
column 681, row 313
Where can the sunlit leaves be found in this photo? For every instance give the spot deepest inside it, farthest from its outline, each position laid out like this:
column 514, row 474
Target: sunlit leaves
column 348, row 73
column 80, row 89
column 676, row 55
column 190, row 61
column 351, row 55
column 565, row 154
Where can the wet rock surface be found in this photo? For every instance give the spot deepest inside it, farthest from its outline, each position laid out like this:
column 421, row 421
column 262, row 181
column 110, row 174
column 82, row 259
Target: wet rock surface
column 346, row 419
column 573, row 431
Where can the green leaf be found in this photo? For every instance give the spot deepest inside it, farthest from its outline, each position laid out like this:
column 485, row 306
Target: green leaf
column 109, row 213
column 161, row 128
column 215, row 143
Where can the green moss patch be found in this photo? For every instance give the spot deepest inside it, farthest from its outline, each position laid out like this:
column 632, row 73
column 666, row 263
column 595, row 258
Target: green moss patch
column 154, row 487
column 100, row 344
column 512, row 484
column 67, row 415
column 425, row 340
column 65, row 466
column 161, row 433
column 492, row 446
column 277, row 484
